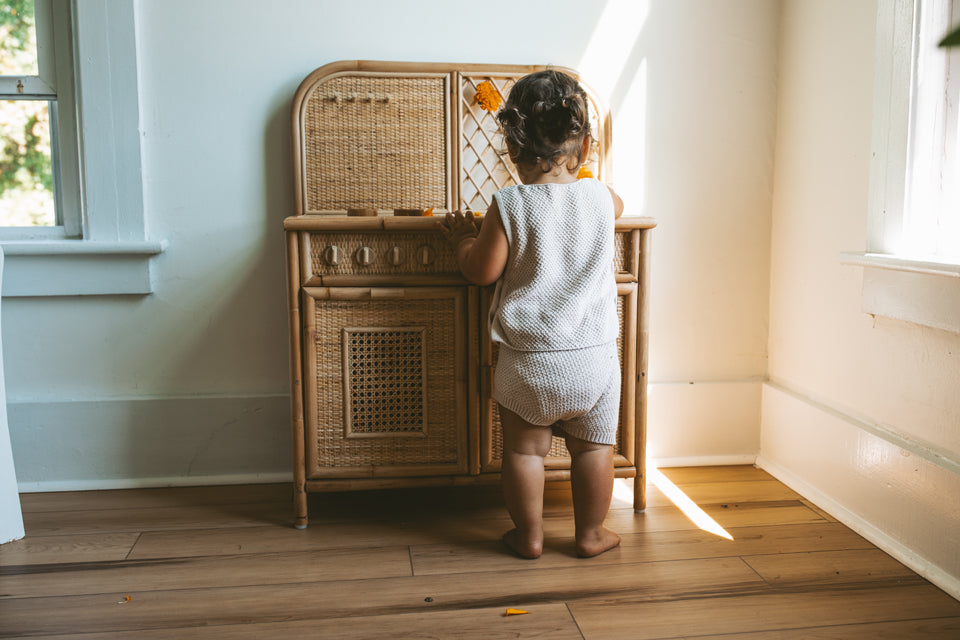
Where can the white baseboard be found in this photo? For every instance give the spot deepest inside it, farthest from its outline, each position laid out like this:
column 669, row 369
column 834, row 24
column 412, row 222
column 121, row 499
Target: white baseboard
column 901, row 552
column 45, row 486
column 150, row 442
column 904, row 500
column 704, row 420
column 702, row 461
column 67, row 445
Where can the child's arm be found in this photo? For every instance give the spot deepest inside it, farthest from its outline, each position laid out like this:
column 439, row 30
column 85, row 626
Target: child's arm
column 481, row 257
column 617, row 203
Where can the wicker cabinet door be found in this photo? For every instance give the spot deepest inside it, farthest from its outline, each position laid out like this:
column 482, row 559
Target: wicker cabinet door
column 385, row 381
column 377, row 139
column 491, row 435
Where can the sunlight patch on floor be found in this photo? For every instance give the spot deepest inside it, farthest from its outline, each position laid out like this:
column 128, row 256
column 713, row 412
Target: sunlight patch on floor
column 623, row 493
column 683, row 502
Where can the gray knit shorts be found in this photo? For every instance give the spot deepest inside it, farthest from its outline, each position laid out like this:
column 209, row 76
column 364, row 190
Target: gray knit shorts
column 576, row 390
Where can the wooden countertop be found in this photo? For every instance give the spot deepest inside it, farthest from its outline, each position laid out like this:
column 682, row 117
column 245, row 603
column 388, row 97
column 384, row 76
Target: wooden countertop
column 406, row 223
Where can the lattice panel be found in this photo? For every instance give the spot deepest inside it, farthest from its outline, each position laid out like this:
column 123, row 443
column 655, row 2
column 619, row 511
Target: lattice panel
column 376, row 141
column 384, row 377
column 485, row 167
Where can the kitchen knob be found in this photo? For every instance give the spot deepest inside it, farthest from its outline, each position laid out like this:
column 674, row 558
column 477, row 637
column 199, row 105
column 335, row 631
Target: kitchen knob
column 364, row 256
column 397, row 255
column 426, row 254
column 331, row 255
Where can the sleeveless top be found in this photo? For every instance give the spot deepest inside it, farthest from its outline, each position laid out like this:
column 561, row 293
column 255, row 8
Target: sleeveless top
column 558, row 290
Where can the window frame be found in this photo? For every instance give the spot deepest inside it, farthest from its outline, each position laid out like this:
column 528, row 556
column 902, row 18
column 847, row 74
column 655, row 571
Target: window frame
column 919, row 291
column 102, row 248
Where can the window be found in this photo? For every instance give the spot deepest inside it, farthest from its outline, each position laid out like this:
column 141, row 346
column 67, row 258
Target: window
column 87, row 73
column 931, row 224
column 39, row 191
column 912, row 261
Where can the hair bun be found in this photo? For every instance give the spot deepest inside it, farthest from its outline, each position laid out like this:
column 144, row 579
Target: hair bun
column 545, row 119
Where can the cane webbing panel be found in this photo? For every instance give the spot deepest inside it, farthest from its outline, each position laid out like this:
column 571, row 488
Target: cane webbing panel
column 557, row 448
column 384, row 376
column 436, row 316
column 376, row 141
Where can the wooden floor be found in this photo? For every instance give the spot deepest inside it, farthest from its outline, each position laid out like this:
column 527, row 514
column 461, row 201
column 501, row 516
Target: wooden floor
column 223, row 562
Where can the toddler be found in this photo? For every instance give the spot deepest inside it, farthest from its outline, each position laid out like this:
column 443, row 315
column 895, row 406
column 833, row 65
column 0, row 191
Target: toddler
column 548, row 245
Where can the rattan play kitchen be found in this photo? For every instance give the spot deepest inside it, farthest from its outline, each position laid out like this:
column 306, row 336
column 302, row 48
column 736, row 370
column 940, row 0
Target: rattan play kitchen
column 391, row 359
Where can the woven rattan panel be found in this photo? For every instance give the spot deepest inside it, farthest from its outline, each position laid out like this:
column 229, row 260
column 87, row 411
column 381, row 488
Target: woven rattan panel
column 381, row 243
column 557, row 448
column 620, row 248
column 438, row 395
column 376, row 141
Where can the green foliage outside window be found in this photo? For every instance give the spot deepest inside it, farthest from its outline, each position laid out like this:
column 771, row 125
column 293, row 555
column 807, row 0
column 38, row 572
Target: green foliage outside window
column 16, row 17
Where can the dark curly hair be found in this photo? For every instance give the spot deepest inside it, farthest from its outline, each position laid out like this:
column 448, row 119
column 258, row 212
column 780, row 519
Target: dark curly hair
column 545, row 120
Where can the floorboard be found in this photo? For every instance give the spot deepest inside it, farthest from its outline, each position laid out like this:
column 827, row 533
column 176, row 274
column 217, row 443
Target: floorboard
column 787, row 611
column 544, row 622
column 223, row 562
column 83, row 547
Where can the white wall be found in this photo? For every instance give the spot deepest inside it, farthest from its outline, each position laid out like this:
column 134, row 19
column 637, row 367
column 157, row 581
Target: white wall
column 861, row 414
column 190, row 383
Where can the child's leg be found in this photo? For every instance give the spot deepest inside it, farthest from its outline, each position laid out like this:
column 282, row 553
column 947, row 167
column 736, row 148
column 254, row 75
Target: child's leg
column 591, row 478
column 524, row 448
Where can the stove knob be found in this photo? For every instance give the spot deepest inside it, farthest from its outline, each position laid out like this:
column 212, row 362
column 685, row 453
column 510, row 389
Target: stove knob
column 331, row 255
column 397, row 255
column 426, row 254
column 364, row 256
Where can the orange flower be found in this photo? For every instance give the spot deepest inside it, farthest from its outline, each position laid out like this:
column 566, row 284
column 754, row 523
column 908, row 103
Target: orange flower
column 584, row 173
column 487, row 96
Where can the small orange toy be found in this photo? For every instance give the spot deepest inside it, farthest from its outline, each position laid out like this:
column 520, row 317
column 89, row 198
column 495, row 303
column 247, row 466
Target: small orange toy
column 515, row 612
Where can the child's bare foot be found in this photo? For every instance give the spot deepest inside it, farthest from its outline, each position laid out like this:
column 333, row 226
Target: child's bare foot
column 529, row 549
column 597, row 542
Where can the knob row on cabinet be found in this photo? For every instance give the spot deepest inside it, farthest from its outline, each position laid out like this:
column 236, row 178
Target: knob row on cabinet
column 396, row 255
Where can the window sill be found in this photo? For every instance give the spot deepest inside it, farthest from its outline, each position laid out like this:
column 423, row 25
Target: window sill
column 922, row 292
column 78, row 267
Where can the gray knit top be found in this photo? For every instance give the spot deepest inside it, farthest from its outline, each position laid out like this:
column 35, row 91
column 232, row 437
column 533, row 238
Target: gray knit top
column 558, row 289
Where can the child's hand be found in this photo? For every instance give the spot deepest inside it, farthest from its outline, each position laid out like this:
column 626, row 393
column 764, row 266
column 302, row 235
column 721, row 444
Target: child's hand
column 458, row 226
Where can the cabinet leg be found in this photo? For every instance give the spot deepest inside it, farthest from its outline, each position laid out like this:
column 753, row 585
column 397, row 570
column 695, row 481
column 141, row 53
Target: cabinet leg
column 639, row 491
column 299, row 509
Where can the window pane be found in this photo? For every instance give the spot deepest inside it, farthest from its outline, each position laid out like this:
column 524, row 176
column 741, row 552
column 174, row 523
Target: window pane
column 18, row 39
column 26, row 178
column 931, row 213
